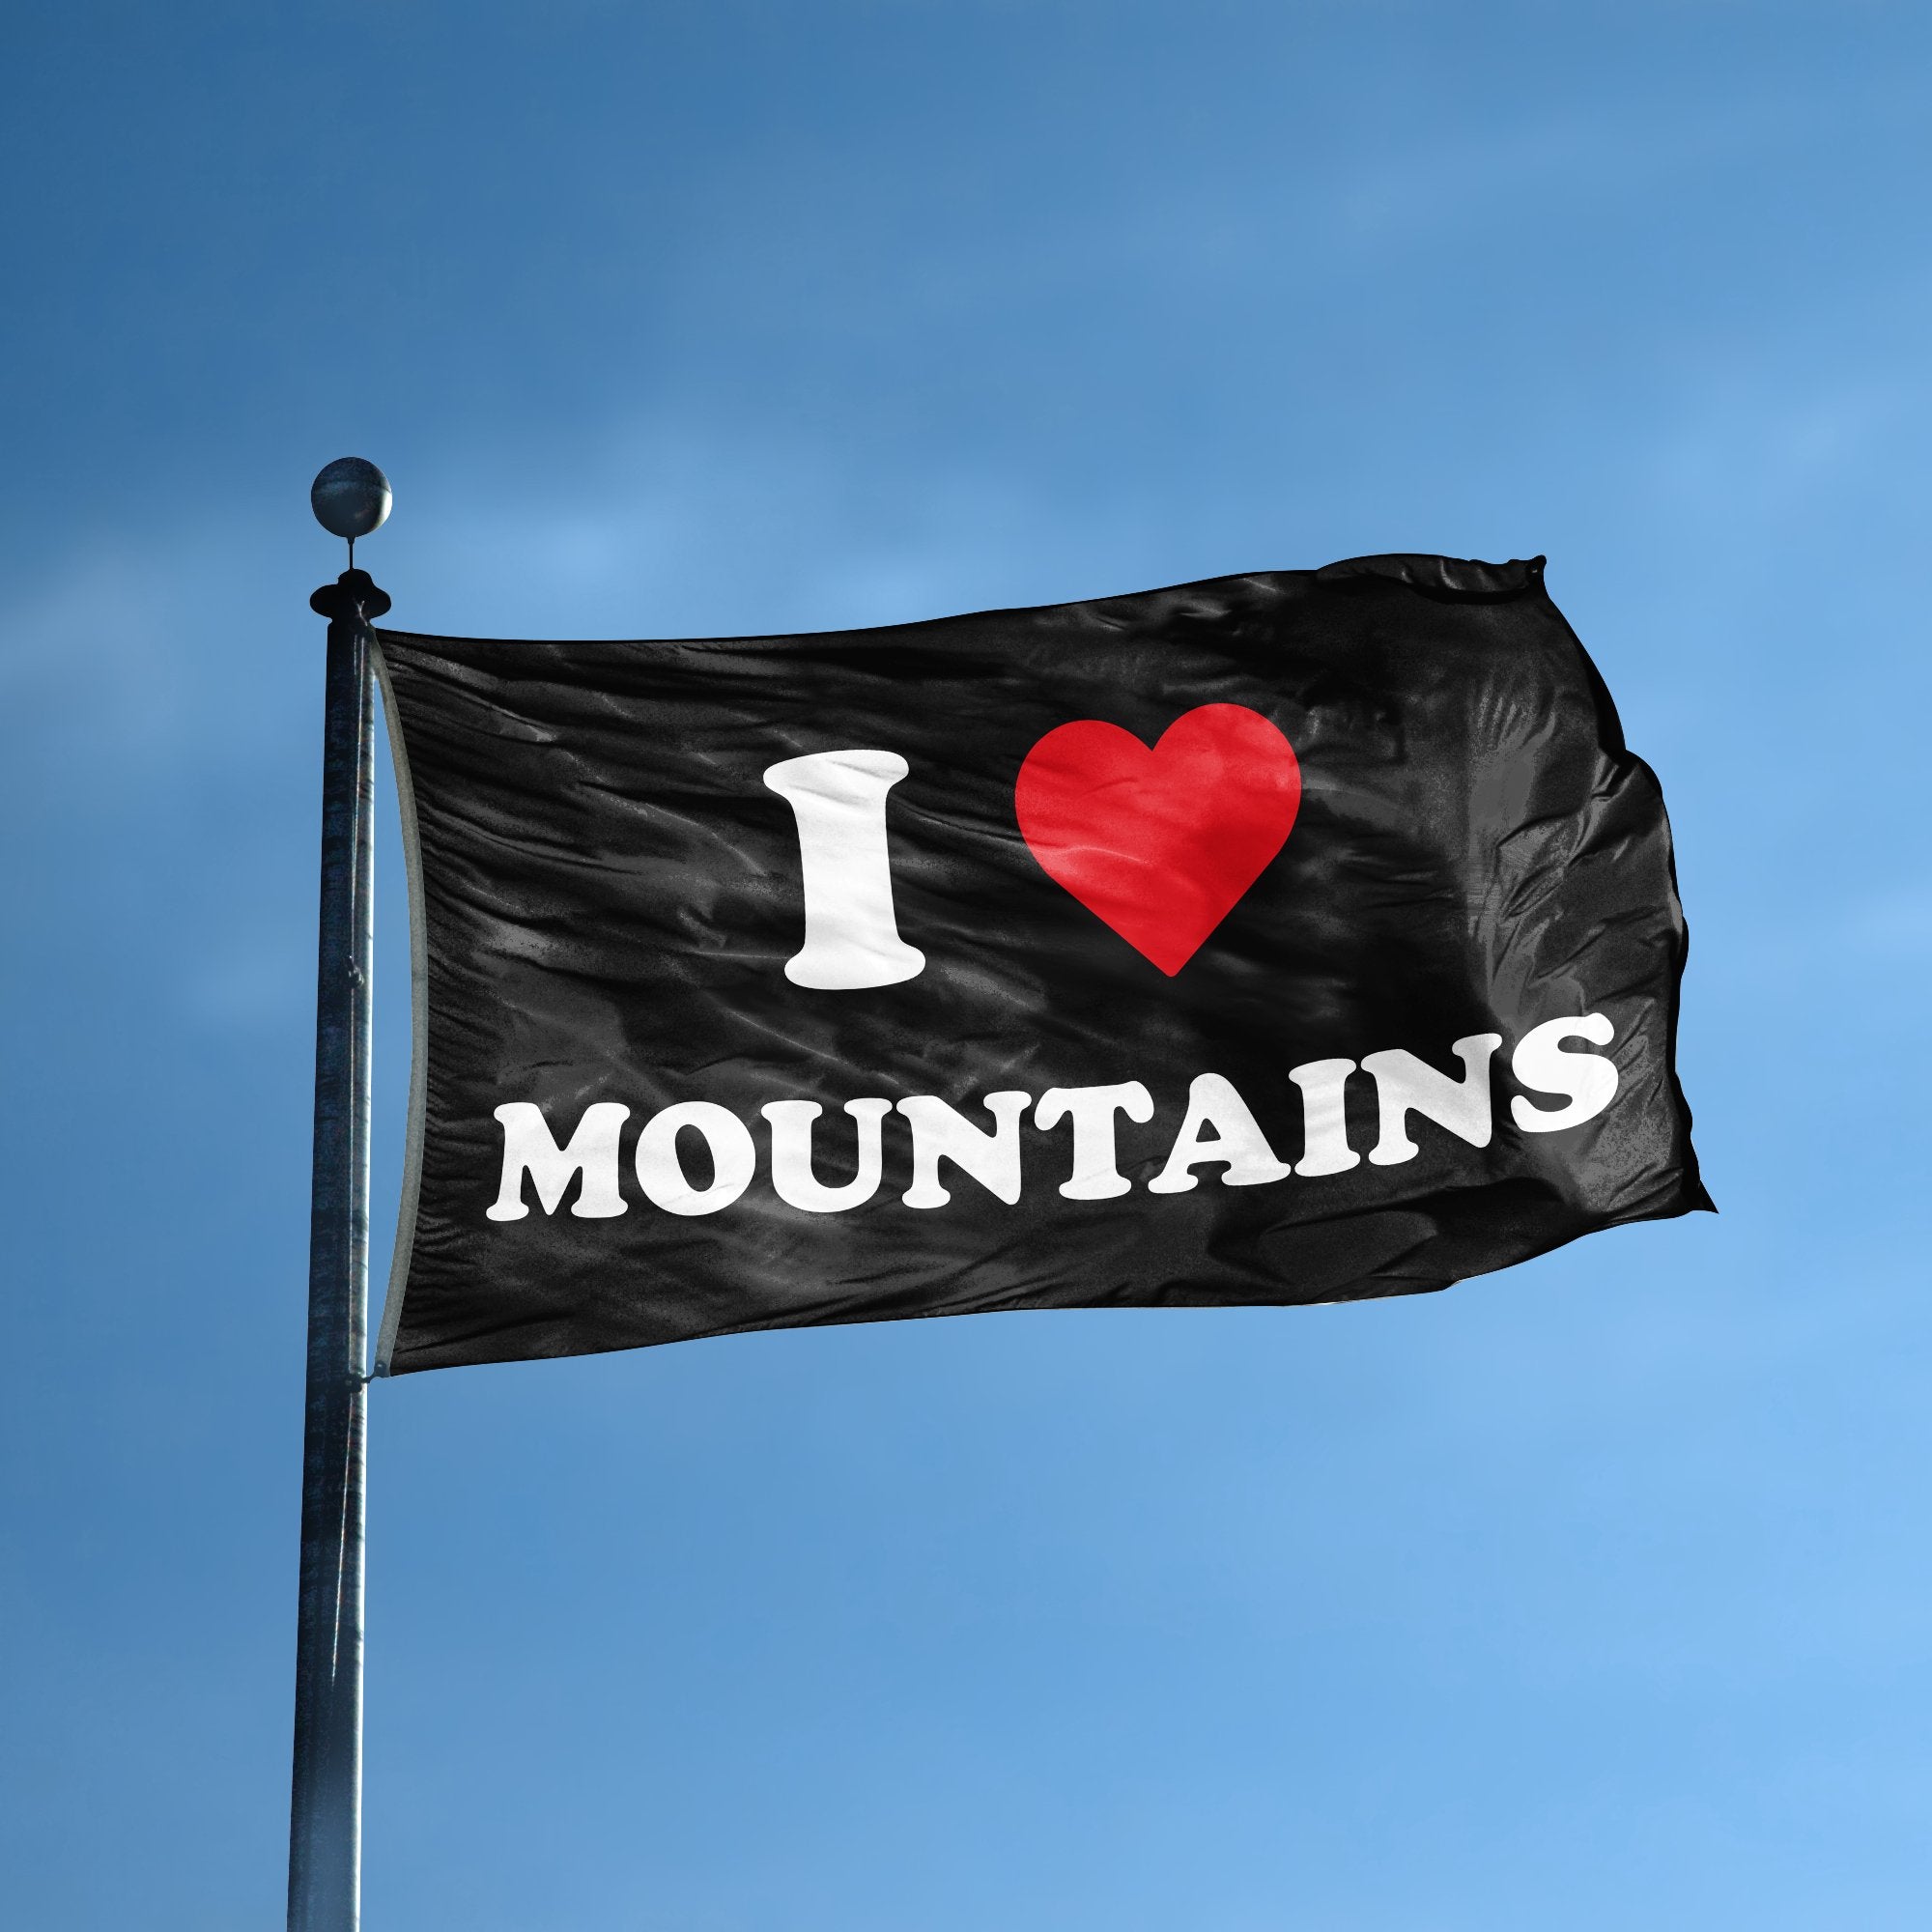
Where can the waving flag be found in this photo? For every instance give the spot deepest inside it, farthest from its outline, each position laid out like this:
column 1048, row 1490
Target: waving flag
column 1292, row 937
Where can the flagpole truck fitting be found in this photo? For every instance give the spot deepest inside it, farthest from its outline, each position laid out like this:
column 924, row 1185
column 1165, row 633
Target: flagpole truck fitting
column 351, row 498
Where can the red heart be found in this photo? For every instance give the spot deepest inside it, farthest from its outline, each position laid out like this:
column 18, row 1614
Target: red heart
column 1161, row 843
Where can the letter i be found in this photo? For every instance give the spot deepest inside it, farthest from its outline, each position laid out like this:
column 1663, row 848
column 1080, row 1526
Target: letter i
column 851, row 936
column 1323, row 1085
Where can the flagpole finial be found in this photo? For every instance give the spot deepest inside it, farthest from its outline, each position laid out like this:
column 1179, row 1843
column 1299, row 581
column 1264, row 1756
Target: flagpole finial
column 351, row 498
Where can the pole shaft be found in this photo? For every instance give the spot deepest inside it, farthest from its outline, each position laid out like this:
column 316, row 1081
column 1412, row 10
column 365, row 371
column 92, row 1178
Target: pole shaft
column 325, row 1819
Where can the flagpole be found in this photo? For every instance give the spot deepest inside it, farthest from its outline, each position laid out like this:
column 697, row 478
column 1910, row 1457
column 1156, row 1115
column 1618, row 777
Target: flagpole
column 325, row 1810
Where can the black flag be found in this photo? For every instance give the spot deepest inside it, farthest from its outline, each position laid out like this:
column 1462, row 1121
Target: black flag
column 1285, row 938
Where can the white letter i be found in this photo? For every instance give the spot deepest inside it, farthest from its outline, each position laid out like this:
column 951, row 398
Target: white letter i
column 851, row 938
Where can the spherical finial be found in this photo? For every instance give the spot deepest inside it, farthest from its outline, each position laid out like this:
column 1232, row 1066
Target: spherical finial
column 349, row 497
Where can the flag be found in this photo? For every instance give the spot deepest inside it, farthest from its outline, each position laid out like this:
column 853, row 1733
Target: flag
column 1294, row 937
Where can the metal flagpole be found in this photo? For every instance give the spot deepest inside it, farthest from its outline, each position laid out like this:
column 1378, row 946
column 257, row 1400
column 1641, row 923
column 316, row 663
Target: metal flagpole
column 351, row 499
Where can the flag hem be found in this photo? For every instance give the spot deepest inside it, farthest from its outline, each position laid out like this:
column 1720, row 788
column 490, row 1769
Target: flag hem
column 1449, row 579
column 406, row 1207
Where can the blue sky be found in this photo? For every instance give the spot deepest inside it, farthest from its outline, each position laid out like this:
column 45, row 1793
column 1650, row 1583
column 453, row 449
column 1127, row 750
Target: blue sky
column 1592, row 1595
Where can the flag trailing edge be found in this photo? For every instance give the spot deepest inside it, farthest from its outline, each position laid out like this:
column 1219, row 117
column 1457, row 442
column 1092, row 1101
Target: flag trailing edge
column 1289, row 937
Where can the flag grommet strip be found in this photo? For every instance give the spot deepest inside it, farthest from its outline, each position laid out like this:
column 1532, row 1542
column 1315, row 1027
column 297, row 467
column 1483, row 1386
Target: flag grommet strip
column 406, row 1207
